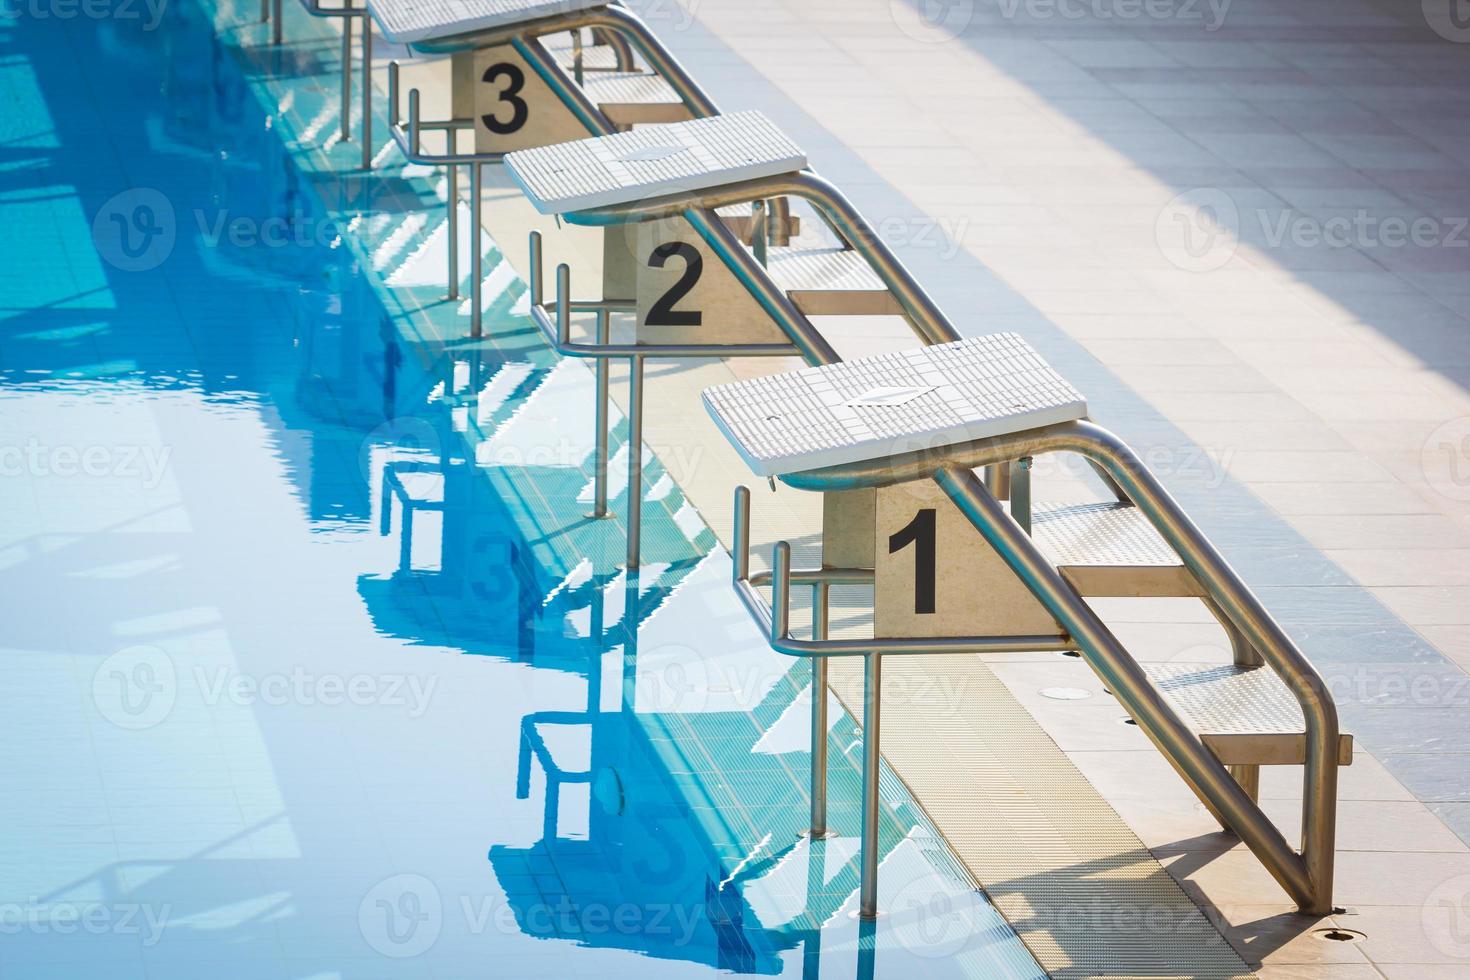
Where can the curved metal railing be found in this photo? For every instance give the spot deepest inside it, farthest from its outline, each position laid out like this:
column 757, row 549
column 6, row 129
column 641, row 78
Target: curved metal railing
column 1306, row 876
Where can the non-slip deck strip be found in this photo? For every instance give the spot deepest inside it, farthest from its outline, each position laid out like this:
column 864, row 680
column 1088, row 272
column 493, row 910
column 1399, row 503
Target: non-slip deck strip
column 1085, row 895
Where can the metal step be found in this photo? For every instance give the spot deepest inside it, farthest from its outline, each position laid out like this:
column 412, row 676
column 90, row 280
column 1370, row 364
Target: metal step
column 595, row 57
column 830, row 282
column 1244, row 715
column 635, row 98
column 1109, row 548
column 737, row 218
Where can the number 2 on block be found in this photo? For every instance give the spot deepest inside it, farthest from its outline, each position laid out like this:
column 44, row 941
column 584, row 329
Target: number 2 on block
column 920, row 533
column 662, row 313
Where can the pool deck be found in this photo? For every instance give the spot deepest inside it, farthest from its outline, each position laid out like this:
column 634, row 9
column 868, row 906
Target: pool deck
column 1298, row 399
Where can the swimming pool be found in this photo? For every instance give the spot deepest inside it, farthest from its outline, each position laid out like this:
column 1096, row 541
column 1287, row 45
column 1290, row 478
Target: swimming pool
column 261, row 728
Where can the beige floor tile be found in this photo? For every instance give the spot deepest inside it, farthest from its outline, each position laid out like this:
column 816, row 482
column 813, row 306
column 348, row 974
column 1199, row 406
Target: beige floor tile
column 1389, row 878
column 1426, row 605
column 1398, row 935
column 1282, row 937
column 1336, row 499
column 1452, row 641
column 1335, row 971
column 1365, row 779
column 1429, row 532
column 1405, row 566
column 1374, row 825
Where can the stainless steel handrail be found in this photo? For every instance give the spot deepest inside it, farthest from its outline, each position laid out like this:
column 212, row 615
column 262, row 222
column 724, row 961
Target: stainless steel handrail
column 1306, row 876
column 616, row 20
column 776, row 617
column 929, row 321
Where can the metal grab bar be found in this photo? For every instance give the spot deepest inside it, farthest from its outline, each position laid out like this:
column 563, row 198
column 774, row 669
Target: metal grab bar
column 1307, row 876
column 617, row 20
column 776, row 618
column 932, row 326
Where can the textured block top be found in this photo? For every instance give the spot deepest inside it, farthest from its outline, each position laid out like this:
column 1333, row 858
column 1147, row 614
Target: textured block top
column 885, row 406
column 405, row 21
column 652, row 161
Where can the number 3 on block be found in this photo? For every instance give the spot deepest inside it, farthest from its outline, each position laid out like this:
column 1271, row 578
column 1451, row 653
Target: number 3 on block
column 513, row 108
column 510, row 97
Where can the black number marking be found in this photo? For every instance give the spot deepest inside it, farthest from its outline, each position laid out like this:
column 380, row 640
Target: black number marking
column 662, row 313
column 920, row 533
column 510, row 94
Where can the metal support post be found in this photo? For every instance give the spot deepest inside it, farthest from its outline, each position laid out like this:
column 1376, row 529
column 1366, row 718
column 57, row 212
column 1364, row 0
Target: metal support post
column 872, row 725
column 452, row 175
column 367, row 90
column 635, row 459
column 477, row 258
column 346, row 126
column 600, row 447
column 821, row 613
column 1021, row 493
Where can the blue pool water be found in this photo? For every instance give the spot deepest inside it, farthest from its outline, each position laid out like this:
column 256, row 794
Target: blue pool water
column 258, row 730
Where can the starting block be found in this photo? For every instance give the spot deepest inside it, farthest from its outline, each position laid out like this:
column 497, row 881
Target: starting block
column 955, row 570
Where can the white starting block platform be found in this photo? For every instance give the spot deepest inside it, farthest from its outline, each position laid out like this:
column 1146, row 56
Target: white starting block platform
column 406, row 21
column 878, row 407
column 653, row 161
